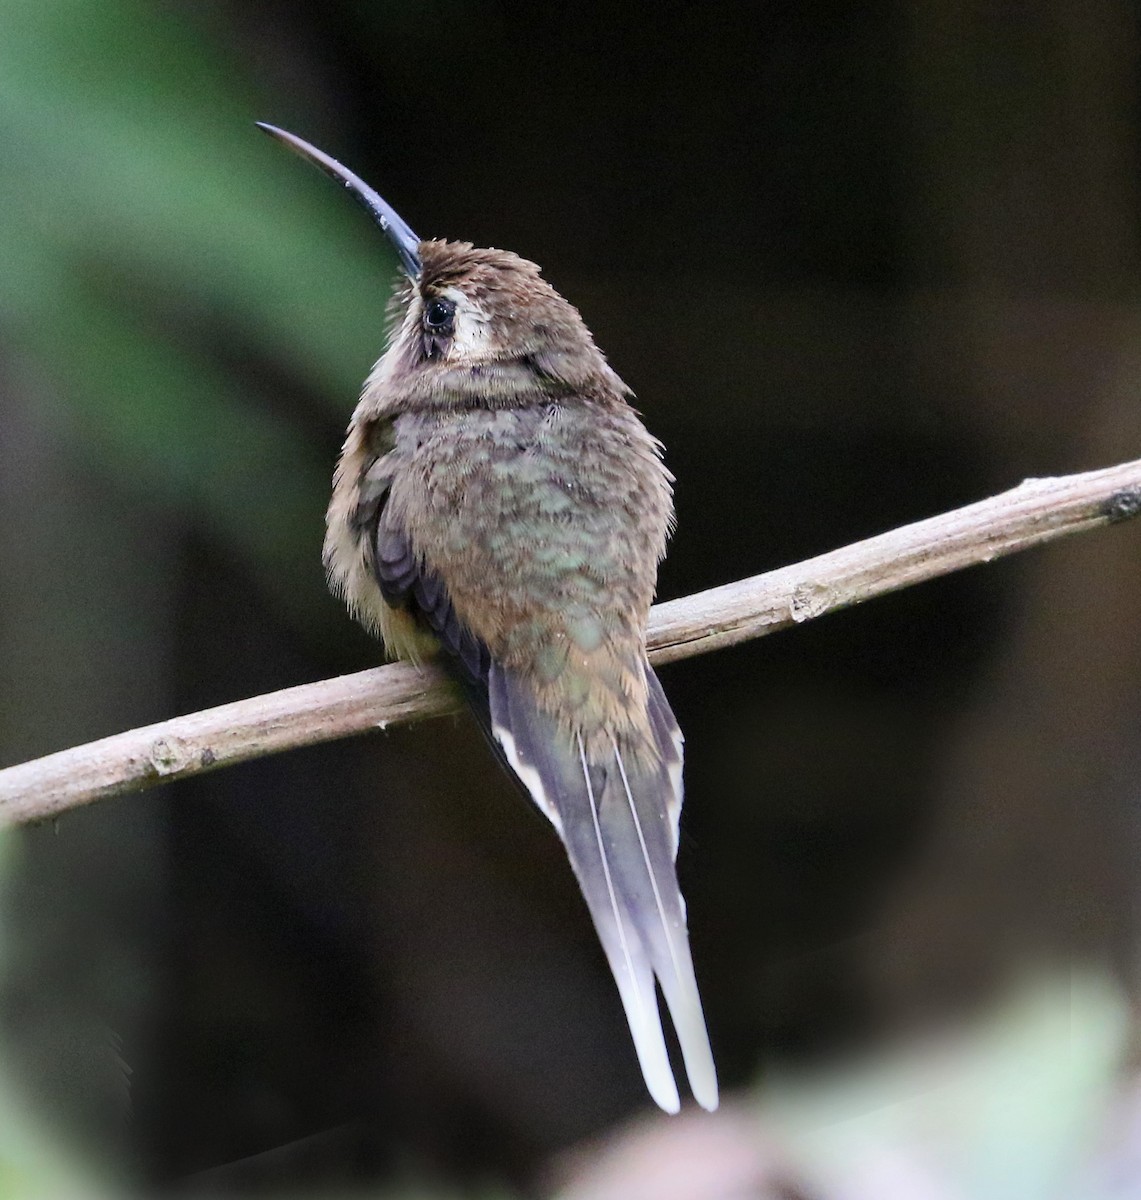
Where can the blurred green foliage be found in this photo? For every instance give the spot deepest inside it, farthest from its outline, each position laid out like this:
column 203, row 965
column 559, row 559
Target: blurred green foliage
column 137, row 196
column 33, row 1161
column 1010, row 1107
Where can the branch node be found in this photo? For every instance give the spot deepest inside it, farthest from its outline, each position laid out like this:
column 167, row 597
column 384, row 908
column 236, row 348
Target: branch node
column 810, row 600
column 170, row 755
column 1123, row 505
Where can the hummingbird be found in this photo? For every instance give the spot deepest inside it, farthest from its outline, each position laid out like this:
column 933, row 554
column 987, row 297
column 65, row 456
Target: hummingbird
column 499, row 504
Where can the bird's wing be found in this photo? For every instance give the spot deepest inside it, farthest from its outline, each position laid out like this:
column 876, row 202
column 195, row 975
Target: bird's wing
column 407, row 582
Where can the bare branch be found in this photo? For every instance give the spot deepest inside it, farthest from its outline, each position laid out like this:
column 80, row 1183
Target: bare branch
column 1036, row 512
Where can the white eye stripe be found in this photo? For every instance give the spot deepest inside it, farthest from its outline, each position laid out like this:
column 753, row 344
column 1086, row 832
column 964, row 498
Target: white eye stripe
column 471, row 328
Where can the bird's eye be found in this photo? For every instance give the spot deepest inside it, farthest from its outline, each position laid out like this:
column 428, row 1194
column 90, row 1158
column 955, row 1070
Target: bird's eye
column 439, row 314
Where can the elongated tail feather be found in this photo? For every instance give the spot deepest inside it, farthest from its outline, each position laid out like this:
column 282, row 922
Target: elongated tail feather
column 618, row 820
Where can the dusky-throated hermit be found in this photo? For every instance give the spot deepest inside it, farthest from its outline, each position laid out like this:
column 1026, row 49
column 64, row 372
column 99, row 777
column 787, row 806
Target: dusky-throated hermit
column 500, row 503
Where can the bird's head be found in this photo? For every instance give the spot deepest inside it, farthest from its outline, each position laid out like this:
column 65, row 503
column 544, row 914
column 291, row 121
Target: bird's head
column 471, row 323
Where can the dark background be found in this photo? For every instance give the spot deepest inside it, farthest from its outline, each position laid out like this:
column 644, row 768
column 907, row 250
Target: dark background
column 860, row 263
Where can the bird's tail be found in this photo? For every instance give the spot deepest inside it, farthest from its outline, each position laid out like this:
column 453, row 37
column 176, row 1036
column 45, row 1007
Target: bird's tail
column 618, row 818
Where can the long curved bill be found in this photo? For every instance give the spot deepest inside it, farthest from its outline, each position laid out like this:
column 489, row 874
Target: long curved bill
column 407, row 244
